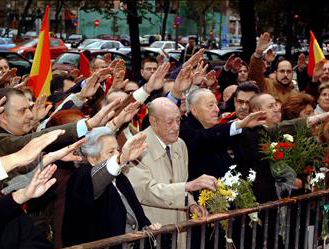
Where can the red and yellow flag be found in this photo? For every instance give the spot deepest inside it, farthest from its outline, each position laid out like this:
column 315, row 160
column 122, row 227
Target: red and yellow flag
column 84, row 66
column 315, row 54
column 41, row 74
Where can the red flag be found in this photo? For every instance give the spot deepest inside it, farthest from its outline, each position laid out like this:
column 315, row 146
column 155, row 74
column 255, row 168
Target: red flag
column 41, row 74
column 84, row 65
column 315, row 54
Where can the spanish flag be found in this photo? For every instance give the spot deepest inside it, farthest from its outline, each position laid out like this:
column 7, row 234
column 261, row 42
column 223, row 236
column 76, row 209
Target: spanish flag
column 41, row 74
column 315, row 54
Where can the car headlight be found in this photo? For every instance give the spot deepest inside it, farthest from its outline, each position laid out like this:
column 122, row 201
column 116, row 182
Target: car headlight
column 20, row 51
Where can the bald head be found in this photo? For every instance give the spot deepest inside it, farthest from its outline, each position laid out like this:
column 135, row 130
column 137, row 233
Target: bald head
column 165, row 118
column 161, row 106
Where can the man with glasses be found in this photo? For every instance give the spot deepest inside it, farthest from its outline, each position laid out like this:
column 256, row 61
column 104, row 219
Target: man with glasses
column 148, row 67
column 282, row 86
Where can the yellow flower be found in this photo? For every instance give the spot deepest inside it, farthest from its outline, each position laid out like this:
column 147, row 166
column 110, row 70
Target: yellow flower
column 220, row 184
column 194, row 215
column 204, row 196
column 225, row 192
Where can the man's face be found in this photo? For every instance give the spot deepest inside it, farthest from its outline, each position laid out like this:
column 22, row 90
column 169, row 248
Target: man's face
column 243, row 74
column 270, row 106
column 191, row 42
column 17, row 117
column 241, row 104
column 325, row 74
column 284, row 72
column 98, row 65
column 4, row 67
column 206, row 110
column 166, row 125
column 324, row 99
column 148, row 69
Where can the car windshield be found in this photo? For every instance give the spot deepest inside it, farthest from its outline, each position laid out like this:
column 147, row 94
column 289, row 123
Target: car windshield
column 68, row 58
column 74, row 36
column 95, row 45
column 88, row 41
column 29, row 43
column 156, row 45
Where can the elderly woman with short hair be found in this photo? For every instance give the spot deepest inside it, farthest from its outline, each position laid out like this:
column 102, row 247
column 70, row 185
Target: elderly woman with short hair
column 100, row 201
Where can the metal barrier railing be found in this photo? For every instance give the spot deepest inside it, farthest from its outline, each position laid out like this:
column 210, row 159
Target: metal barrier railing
column 315, row 199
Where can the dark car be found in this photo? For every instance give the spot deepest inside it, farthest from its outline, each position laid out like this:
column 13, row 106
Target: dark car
column 18, row 61
column 75, row 40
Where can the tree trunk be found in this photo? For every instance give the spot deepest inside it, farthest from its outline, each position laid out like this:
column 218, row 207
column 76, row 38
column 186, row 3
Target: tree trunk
column 59, row 5
column 166, row 8
column 316, row 21
column 22, row 19
column 247, row 20
column 289, row 29
column 133, row 21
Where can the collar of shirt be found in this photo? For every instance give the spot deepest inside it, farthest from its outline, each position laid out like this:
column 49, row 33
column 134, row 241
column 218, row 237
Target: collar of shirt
column 163, row 145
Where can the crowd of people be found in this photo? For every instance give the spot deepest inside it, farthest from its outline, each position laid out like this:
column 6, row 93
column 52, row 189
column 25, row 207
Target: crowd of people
column 105, row 155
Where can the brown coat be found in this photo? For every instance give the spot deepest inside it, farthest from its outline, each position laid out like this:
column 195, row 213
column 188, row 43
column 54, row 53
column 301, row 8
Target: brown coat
column 267, row 85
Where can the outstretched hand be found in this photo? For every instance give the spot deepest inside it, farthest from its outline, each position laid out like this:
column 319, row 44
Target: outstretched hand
column 133, row 148
column 39, row 184
column 252, row 120
column 263, row 43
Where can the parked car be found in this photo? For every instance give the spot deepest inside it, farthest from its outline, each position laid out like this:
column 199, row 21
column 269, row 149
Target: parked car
column 18, row 61
column 75, row 40
column 165, row 46
column 104, row 45
column 30, row 35
column 108, row 37
column 28, row 48
column 70, row 60
column 6, row 43
column 86, row 42
column 125, row 40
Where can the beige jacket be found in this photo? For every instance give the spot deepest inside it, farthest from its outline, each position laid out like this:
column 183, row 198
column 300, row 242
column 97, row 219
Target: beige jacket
column 160, row 187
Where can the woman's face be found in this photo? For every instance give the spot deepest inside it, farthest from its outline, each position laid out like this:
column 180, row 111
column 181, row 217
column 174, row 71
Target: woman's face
column 307, row 111
column 109, row 148
column 323, row 100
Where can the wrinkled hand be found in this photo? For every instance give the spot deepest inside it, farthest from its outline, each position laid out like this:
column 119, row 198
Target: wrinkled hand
column 31, row 150
column 263, row 43
column 64, row 154
column 182, row 82
column 40, row 108
column 252, row 120
column 200, row 211
column 118, row 80
column 2, row 103
column 40, row 183
column 133, row 148
column 6, row 77
column 270, row 56
column 160, row 59
column 228, row 63
column 301, row 63
column 317, row 71
column 210, row 78
column 298, row 184
column 107, row 58
column 157, row 79
column 199, row 73
column 126, row 115
column 204, row 181
column 14, row 81
column 194, row 60
column 236, row 64
column 91, row 86
column 155, row 226
column 104, row 115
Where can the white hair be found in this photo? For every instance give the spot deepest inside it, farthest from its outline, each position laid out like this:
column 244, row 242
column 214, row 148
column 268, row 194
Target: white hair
column 193, row 96
column 92, row 146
